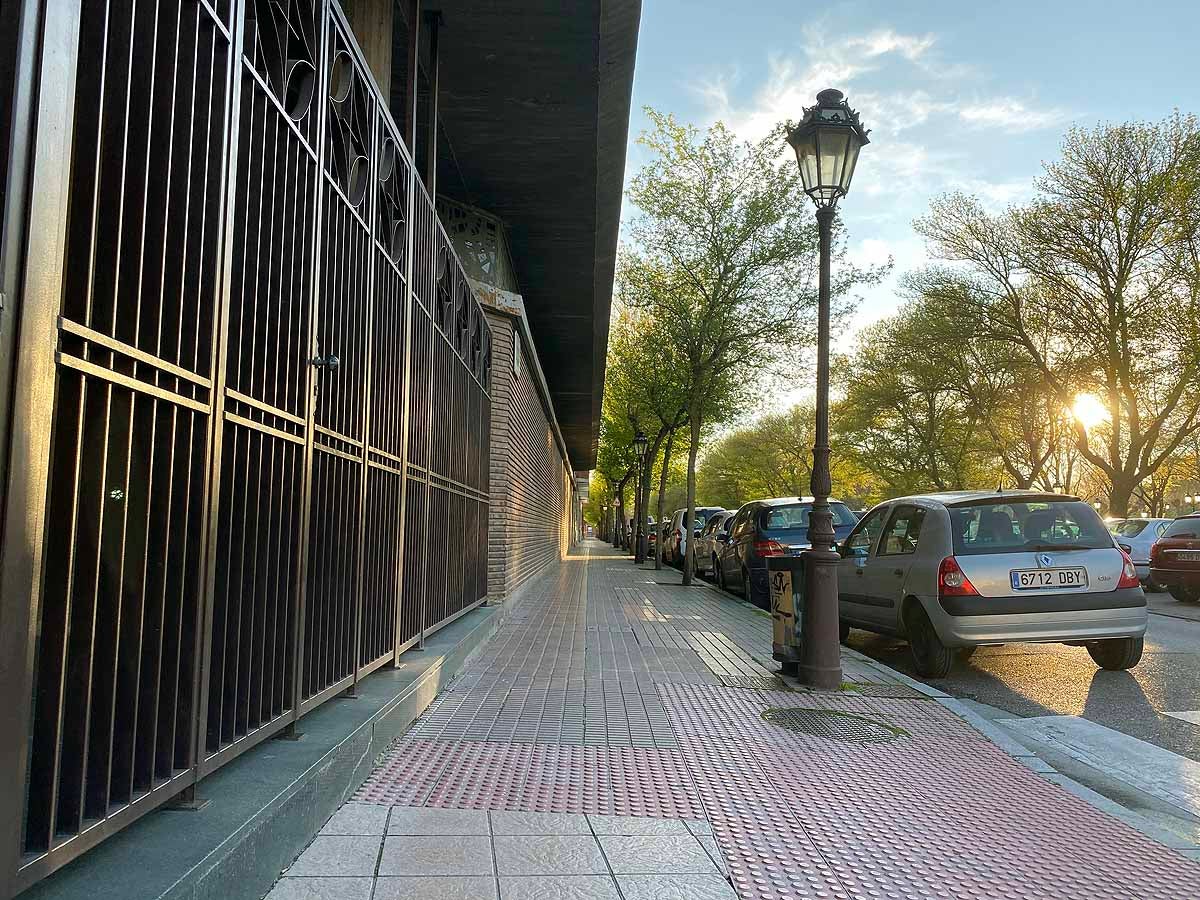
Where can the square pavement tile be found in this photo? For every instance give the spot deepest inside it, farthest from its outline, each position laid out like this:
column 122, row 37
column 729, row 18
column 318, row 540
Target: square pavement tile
column 674, row 887
column 656, row 854
column 476, row 887
column 418, row 820
column 335, row 855
column 559, row 887
column 539, row 823
column 288, row 888
column 636, row 825
column 549, row 855
column 440, row 855
column 698, row 827
column 357, row 818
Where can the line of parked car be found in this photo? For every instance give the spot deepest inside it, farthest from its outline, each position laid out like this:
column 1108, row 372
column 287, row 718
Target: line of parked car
column 954, row 571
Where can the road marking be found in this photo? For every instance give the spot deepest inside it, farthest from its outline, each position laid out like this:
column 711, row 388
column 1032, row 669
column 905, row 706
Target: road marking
column 1166, row 775
column 1192, row 716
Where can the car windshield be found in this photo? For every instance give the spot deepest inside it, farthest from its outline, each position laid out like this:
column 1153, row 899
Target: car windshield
column 794, row 517
column 1015, row 526
column 1128, row 527
column 1183, row 528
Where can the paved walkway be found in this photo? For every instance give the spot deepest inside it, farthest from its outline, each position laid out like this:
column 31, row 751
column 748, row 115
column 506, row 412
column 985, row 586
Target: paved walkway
column 625, row 737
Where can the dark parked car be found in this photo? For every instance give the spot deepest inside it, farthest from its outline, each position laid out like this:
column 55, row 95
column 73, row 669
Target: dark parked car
column 1175, row 559
column 763, row 528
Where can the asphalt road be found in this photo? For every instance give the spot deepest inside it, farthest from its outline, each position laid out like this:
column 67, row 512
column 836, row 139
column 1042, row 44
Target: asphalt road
column 1052, row 679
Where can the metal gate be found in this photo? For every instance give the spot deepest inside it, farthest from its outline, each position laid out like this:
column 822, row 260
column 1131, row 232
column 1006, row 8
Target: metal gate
column 250, row 409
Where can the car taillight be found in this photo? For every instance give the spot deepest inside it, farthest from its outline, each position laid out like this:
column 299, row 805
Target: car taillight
column 952, row 582
column 1155, row 551
column 1129, row 576
column 769, row 548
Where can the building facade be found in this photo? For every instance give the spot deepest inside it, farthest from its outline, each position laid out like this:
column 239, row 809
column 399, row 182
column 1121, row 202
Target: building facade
column 261, row 434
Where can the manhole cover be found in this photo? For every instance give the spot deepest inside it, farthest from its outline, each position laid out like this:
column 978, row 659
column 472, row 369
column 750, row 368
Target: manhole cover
column 835, row 726
column 755, row 682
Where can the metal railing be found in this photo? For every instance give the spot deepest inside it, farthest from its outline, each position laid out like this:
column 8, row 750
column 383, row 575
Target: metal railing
column 266, row 444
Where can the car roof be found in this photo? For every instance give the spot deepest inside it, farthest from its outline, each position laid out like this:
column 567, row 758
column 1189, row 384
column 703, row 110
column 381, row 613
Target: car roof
column 781, row 501
column 967, row 498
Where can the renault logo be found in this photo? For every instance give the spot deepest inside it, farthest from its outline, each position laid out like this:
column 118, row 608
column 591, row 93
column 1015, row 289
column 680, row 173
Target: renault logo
column 1046, row 561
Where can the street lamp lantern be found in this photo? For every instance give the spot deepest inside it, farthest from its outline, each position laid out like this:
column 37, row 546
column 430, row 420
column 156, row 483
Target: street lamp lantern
column 640, row 442
column 827, row 142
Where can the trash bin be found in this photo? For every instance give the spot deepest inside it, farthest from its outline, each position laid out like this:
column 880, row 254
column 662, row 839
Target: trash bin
column 785, row 575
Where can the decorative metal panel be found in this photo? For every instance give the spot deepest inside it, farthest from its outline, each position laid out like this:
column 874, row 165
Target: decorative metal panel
column 269, row 468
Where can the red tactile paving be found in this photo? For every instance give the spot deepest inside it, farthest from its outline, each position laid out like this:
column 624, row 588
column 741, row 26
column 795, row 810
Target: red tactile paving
column 626, row 781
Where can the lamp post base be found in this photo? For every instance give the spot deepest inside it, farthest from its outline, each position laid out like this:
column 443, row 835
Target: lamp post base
column 820, row 664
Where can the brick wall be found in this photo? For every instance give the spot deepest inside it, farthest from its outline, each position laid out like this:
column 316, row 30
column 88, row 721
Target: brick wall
column 531, row 483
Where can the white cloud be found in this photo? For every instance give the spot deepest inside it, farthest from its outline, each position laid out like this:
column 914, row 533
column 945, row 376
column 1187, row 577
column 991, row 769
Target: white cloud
column 1009, row 114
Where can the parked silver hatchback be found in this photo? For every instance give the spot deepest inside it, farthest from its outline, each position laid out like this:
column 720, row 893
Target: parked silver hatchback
column 959, row 570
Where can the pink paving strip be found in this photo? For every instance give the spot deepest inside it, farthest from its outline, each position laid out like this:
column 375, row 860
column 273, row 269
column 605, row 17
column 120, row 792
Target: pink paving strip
column 626, row 781
column 939, row 813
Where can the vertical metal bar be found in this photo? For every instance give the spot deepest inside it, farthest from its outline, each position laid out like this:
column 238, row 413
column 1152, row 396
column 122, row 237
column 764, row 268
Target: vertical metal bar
column 412, row 14
column 405, row 411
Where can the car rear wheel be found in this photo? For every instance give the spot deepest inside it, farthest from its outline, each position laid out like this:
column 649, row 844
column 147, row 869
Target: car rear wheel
column 843, row 631
column 1185, row 594
column 931, row 658
column 1117, row 654
column 719, row 573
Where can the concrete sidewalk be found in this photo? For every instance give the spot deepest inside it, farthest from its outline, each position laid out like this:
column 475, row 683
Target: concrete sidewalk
column 625, row 737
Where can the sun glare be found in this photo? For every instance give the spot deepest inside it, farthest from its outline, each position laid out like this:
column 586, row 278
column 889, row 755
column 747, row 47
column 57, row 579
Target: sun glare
column 1089, row 410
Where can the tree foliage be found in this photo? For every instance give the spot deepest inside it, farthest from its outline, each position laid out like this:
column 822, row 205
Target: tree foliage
column 1094, row 287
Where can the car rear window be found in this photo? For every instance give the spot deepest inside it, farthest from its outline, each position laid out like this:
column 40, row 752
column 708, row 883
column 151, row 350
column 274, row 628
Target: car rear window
column 1013, row 527
column 1183, row 528
column 794, row 517
column 1128, row 527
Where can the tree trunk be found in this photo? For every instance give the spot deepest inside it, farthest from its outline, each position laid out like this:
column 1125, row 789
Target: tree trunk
column 1119, row 496
column 662, row 489
column 689, row 558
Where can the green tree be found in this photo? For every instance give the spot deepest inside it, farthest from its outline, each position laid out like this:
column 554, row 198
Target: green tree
column 1106, row 263
column 723, row 257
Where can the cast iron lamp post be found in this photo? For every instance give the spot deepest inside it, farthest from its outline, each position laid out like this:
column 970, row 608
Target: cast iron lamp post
column 826, row 142
column 640, row 443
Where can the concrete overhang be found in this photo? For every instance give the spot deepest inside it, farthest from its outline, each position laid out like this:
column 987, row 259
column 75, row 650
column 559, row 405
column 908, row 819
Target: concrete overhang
column 534, row 105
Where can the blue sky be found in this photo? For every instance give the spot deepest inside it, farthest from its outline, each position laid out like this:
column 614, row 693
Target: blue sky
column 961, row 95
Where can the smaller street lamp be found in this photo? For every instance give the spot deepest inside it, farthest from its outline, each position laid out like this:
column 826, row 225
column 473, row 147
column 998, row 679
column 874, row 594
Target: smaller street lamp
column 1097, row 505
column 640, row 442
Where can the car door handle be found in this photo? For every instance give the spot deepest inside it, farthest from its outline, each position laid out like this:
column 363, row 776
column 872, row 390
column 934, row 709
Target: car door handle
column 897, row 571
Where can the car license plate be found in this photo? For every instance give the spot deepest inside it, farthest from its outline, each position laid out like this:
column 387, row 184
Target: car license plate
column 1035, row 579
column 1187, row 555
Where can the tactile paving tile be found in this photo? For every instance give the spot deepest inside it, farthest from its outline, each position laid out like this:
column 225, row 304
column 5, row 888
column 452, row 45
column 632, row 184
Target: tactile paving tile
column 934, row 815
column 627, row 781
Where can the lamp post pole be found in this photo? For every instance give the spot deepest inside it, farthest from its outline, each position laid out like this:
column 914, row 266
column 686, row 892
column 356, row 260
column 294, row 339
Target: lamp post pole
column 640, row 443
column 827, row 142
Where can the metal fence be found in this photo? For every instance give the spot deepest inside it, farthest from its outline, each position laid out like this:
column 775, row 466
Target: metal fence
column 254, row 388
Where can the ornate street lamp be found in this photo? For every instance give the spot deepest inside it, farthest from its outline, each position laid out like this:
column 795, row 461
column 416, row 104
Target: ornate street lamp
column 827, row 142
column 640, row 442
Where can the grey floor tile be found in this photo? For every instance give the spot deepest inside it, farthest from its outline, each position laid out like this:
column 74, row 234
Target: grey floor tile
column 674, row 887
column 542, row 855
column 539, row 823
column 457, row 887
column 558, row 887
column 656, row 854
column 426, row 820
column 698, row 826
column 709, row 843
column 357, row 818
column 335, row 855
column 636, row 825
column 440, row 855
column 288, row 888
